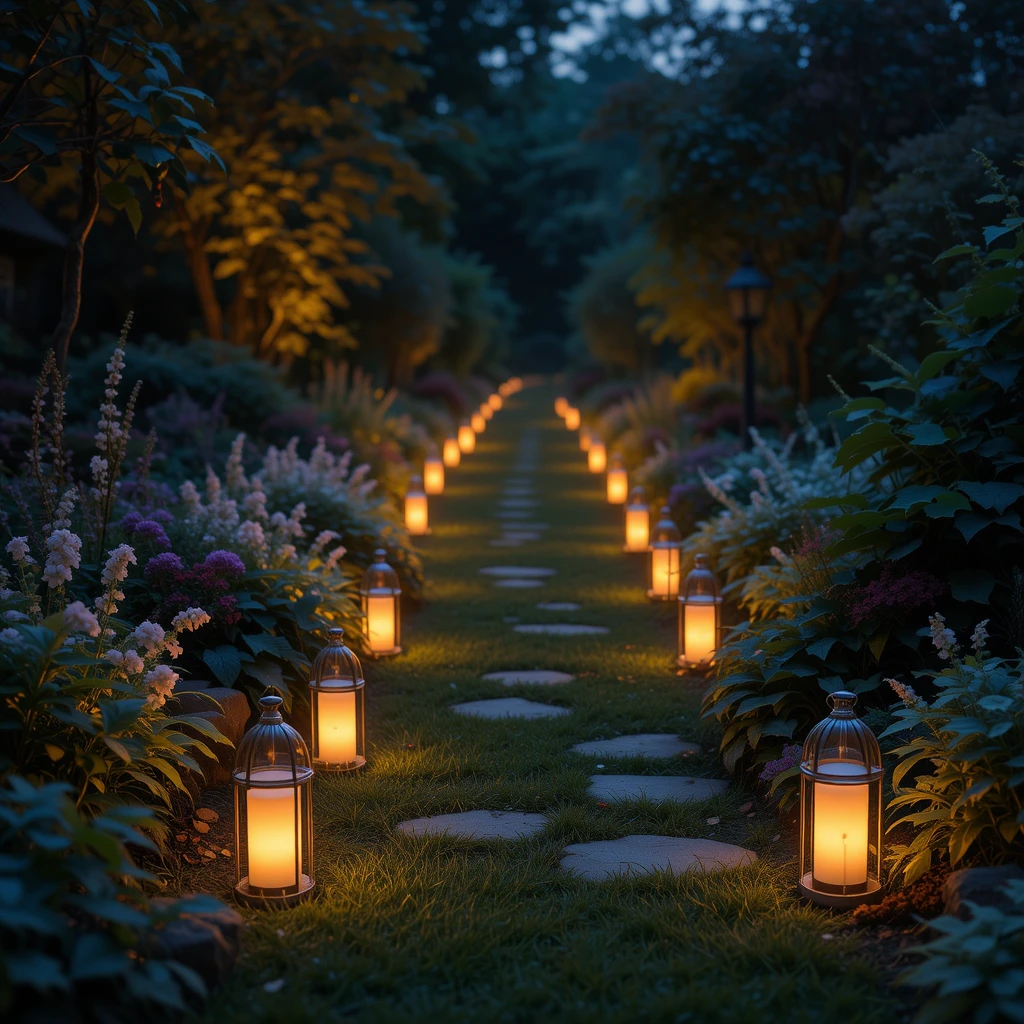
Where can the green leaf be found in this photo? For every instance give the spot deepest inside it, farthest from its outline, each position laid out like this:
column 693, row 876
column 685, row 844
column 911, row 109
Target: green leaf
column 105, row 73
column 117, row 193
column 267, row 672
column 134, row 213
column 224, row 663
column 956, row 250
column 997, row 495
column 991, row 301
column 971, row 585
column 933, row 364
column 926, row 434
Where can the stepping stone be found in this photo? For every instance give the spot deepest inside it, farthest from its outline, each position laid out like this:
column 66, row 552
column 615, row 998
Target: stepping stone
column 506, row 542
column 647, row 744
column 519, row 492
column 518, row 503
column 656, row 788
column 509, row 707
column 530, row 526
column 510, row 514
column 521, row 535
column 476, row 825
column 518, row 583
column 530, row 676
column 559, row 606
column 643, row 855
column 512, row 571
column 562, row 629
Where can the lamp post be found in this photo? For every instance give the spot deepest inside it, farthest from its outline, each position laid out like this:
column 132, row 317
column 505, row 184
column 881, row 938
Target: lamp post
column 748, row 291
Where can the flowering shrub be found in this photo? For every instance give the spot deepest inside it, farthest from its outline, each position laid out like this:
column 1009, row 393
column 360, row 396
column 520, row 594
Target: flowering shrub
column 672, row 476
column 969, row 807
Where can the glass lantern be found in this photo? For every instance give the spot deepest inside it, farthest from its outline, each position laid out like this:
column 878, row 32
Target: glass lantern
column 663, row 565
column 700, row 614
column 561, row 406
column 381, row 592
column 617, row 484
column 486, row 411
column 495, row 401
column 597, row 457
column 451, row 455
column 433, row 472
column 338, row 701
column 477, row 422
column 841, row 809
column 273, row 812
column 638, row 520
column 585, row 440
column 572, row 418
column 467, row 439
column 504, row 390
column 416, row 507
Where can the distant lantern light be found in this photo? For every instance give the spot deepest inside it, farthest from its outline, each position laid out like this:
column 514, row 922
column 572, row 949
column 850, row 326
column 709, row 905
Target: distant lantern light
column 478, row 423
column 504, row 390
column 273, row 812
column 467, row 439
column 416, row 507
column 597, row 457
column 381, row 594
column 516, row 384
column 486, row 411
column 617, row 483
column 572, row 418
column 433, row 472
column 700, row 614
column 663, row 565
column 561, row 406
column 638, row 520
column 495, row 401
column 450, row 454
column 841, row 809
column 338, row 705
column 586, row 439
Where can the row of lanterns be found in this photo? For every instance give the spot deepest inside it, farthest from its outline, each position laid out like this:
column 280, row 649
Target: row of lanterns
column 841, row 766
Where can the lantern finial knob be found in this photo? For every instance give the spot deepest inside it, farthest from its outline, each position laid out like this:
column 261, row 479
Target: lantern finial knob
column 271, row 709
column 842, row 703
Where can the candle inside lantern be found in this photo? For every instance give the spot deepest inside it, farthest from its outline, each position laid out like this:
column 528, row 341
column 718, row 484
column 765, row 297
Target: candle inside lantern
column 274, row 840
column 561, row 406
column 700, row 633
column 416, row 513
column 380, row 622
column 467, row 439
column 616, row 488
column 597, row 457
column 336, row 723
column 665, row 571
column 478, row 423
column 433, row 475
column 450, row 454
column 495, row 401
column 638, row 526
column 841, row 826
column 486, row 411
column 585, row 440
column 572, row 418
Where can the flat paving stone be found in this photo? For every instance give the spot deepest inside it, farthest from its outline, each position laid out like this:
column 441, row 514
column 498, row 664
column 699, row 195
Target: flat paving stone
column 530, row 676
column 508, row 515
column 512, row 571
column 518, row 503
column 518, row 584
column 506, row 542
column 643, row 855
column 646, row 744
column 523, row 491
column 476, row 825
column 559, row 606
column 656, row 788
column 529, row 525
column 561, row 629
column 520, row 534
column 509, row 707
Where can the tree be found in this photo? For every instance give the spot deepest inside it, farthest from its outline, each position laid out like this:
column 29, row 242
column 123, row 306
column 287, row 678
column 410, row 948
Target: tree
column 88, row 101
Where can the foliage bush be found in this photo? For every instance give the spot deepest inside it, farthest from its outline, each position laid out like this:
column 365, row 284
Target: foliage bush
column 642, row 422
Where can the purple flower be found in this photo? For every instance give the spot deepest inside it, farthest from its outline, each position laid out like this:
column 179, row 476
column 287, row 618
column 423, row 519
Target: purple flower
column 163, row 564
column 130, row 522
column 149, row 530
column 790, row 759
column 161, row 515
column 226, row 562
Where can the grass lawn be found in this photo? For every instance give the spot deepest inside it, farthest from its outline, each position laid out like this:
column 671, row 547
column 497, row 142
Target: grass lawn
column 406, row 929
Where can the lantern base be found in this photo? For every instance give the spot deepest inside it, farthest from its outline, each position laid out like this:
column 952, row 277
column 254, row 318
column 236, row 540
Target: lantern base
column 704, row 666
column 386, row 654
column 338, row 769
column 839, row 901
column 652, row 596
column 634, row 551
column 421, row 533
column 272, row 899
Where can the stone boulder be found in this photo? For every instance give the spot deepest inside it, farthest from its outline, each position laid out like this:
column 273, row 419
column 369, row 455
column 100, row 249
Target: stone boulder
column 981, row 886
column 208, row 942
column 230, row 715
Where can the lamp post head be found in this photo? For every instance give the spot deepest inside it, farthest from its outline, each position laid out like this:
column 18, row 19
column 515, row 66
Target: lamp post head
column 748, row 291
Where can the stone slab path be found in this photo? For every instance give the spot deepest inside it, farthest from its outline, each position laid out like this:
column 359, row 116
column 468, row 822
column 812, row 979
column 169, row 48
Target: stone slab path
column 643, row 855
column 559, row 606
column 509, row 707
column 656, row 788
column 476, row 825
column 561, row 629
column 518, row 583
column 529, row 677
column 646, row 744
column 509, row 572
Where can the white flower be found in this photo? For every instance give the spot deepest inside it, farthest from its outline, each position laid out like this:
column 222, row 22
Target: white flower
column 944, row 639
column 334, row 556
column 233, row 471
column 212, row 487
column 190, row 496
column 979, row 636
column 323, row 538
column 114, row 656
column 17, row 548
column 116, row 568
column 904, row 692
column 15, row 616
column 132, row 663
column 64, row 554
column 251, row 535
column 190, row 619
column 10, row 636
column 173, row 648
column 5, row 594
column 150, row 635
column 78, row 619
column 287, row 552
column 254, row 504
column 161, row 681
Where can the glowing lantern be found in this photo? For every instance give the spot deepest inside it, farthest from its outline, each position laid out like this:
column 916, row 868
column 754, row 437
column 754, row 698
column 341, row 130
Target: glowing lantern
column 638, row 520
column 515, row 384
column 572, row 418
column 617, row 484
column 478, row 423
column 433, row 472
column 504, row 390
column 337, row 703
column 597, row 457
column 381, row 592
column 273, row 812
column 700, row 605
column 663, row 580
column 495, row 401
column 450, row 454
column 486, row 411
column 467, row 439
column 585, row 440
column 561, row 406
column 841, row 809
column 416, row 507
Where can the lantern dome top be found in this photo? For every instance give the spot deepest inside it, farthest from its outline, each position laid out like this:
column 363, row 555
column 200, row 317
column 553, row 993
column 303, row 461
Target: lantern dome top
column 665, row 530
column 272, row 753
column 701, row 584
column 637, row 495
column 841, row 739
column 335, row 663
column 415, row 484
column 380, row 577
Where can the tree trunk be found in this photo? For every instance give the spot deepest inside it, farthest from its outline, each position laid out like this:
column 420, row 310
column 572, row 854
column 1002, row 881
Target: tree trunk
column 202, row 276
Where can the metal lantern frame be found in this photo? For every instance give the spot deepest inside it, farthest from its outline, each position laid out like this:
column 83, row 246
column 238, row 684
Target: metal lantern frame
column 336, row 670
column 700, row 588
column 665, row 541
column 486, row 411
column 597, row 456
column 637, row 505
column 380, row 581
column 451, row 453
column 841, row 740
column 572, row 418
column 615, row 472
column 416, row 491
column 432, row 465
column 271, row 747
column 496, row 401
column 478, row 422
column 466, row 439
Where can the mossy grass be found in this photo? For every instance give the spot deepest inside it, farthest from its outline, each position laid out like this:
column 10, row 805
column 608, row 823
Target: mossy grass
column 404, row 929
